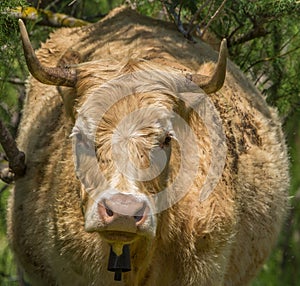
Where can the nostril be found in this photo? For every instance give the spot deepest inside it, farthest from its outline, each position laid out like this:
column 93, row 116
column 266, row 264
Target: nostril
column 138, row 216
column 109, row 212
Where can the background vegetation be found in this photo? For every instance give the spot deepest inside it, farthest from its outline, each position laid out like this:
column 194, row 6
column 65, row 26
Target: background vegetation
column 263, row 39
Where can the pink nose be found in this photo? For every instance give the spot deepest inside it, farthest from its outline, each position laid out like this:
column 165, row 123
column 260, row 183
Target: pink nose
column 123, row 212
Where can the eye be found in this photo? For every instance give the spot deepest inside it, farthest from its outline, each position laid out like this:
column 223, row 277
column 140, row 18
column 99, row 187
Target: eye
column 167, row 140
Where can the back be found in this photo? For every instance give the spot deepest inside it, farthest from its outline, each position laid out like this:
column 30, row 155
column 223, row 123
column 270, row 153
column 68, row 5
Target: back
column 59, row 228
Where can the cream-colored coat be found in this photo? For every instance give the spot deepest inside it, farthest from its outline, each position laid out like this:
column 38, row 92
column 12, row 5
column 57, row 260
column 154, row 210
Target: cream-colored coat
column 223, row 240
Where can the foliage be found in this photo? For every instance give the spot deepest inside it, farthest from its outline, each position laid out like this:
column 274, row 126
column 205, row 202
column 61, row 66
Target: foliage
column 11, row 64
column 265, row 49
column 263, row 39
column 7, row 265
column 11, row 68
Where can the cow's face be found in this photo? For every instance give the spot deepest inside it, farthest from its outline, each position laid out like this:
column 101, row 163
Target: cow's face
column 138, row 150
column 124, row 141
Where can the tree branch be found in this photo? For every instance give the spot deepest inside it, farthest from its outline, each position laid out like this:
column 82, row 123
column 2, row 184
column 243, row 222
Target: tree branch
column 176, row 19
column 15, row 157
column 13, row 80
column 272, row 58
column 191, row 25
column 5, row 187
column 214, row 16
column 256, row 32
column 46, row 17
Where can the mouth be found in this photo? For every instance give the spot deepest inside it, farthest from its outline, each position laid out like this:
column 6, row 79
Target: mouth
column 119, row 236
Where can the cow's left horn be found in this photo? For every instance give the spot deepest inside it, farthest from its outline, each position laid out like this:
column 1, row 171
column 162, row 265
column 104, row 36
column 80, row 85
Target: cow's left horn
column 47, row 75
column 216, row 81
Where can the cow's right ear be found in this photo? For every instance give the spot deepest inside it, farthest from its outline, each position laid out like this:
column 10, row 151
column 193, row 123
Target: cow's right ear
column 68, row 95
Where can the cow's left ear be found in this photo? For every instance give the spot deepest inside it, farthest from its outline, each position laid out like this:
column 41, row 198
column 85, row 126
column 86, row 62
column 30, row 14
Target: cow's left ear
column 68, row 95
column 200, row 103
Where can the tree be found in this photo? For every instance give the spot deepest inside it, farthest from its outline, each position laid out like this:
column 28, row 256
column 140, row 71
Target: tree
column 263, row 39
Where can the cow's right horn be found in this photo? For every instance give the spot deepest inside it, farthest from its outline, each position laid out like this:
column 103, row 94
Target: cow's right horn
column 47, row 75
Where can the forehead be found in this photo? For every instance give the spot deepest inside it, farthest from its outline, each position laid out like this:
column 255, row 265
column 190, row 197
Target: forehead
column 137, row 113
column 131, row 102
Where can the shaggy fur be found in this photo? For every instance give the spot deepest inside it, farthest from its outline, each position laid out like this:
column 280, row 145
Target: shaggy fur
column 222, row 240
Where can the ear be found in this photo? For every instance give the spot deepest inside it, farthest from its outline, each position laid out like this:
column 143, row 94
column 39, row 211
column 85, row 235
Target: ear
column 84, row 199
column 200, row 103
column 69, row 58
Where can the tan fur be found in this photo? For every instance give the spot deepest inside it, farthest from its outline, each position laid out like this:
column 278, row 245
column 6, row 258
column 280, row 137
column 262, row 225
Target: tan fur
column 223, row 240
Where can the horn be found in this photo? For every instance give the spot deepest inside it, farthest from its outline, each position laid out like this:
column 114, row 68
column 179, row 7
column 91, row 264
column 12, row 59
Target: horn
column 47, row 75
column 215, row 82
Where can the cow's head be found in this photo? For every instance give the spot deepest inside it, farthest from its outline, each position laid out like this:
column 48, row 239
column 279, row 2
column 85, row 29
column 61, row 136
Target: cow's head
column 136, row 149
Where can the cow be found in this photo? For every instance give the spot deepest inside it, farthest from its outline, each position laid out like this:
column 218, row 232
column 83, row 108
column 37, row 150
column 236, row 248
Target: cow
column 151, row 160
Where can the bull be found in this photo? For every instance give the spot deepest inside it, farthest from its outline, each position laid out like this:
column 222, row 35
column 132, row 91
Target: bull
column 150, row 161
